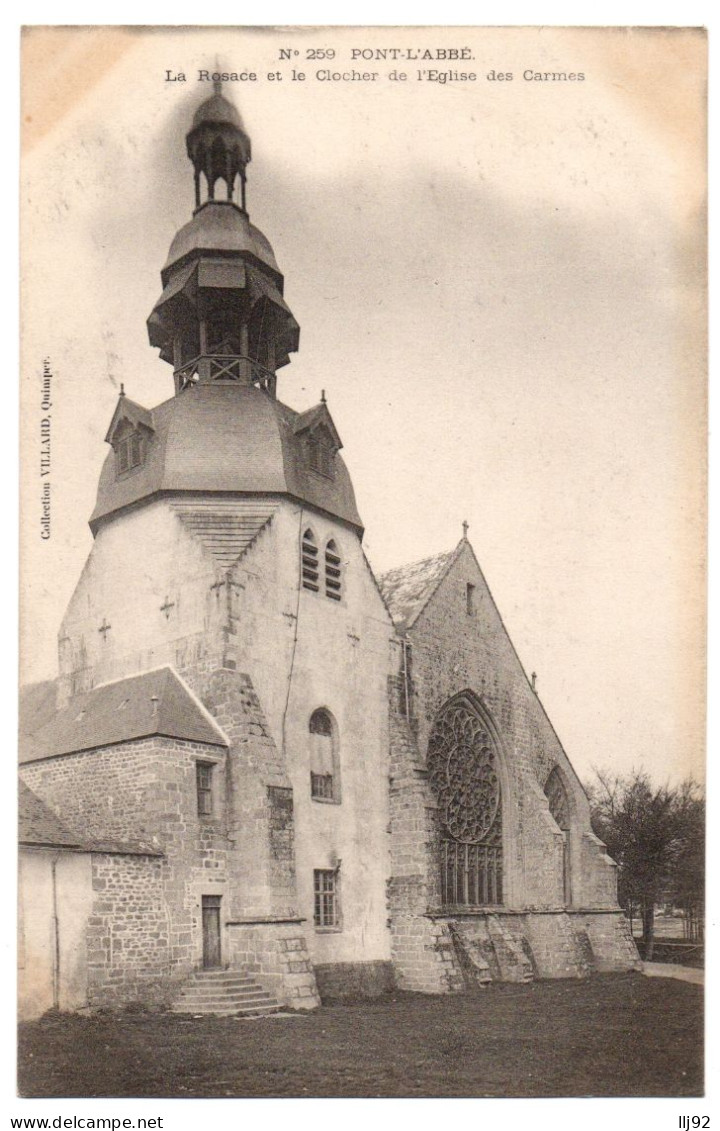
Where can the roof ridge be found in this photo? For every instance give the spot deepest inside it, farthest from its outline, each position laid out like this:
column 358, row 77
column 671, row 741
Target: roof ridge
column 122, row 678
column 198, row 703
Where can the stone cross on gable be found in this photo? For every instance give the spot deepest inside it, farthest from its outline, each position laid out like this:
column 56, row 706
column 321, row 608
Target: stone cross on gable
column 104, row 628
column 167, row 607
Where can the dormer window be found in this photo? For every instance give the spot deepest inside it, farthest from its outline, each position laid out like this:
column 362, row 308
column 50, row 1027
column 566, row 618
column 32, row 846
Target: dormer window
column 131, row 430
column 319, row 438
column 129, row 451
column 321, row 452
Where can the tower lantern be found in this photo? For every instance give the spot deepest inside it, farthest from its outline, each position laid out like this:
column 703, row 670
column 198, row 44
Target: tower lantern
column 218, row 146
column 222, row 316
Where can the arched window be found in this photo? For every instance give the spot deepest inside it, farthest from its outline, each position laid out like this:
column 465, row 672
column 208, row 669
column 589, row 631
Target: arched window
column 324, row 764
column 333, row 576
column 559, row 804
column 462, row 764
column 309, row 562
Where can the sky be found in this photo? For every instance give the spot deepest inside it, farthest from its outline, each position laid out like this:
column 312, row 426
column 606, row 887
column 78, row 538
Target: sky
column 500, row 286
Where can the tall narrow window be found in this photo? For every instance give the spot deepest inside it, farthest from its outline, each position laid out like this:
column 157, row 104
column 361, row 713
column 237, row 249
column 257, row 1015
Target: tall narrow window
column 470, row 599
column 406, row 681
column 204, row 771
column 310, row 562
column 324, row 768
column 333, row 577
column 326, row 911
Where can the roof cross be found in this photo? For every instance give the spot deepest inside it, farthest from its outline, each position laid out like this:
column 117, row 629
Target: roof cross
column 465, row 526
column 104, row 628
column 167, row 607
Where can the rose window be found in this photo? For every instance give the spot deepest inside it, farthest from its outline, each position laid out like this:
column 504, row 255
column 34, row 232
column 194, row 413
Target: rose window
column 462, row 763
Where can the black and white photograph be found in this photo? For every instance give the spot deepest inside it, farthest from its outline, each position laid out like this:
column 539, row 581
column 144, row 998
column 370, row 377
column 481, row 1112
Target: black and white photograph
column 362, row 563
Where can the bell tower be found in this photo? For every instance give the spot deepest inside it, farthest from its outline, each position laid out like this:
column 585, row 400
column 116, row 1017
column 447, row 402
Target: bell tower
column 222, row 316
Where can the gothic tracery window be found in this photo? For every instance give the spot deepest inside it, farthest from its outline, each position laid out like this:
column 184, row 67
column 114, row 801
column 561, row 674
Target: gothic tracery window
column 557, row 800
column 462, row 764
column 559, row 805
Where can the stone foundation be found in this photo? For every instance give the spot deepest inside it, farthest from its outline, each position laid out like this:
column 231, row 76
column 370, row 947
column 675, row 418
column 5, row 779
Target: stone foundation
column 344, row 981
column 608, row 934
column 450, row 954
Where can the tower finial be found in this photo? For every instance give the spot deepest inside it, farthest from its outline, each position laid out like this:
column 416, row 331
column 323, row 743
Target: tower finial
column 323, row 398
column 122, row 389
column 465, row 526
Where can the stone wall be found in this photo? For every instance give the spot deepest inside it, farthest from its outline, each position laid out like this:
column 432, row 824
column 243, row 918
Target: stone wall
column 130, row 933
column 422, row 959
column 276, row 955
column 349, row 981
column 145, row 928
column 300, row 652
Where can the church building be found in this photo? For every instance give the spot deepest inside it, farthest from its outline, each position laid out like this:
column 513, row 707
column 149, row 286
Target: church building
column 265, row 776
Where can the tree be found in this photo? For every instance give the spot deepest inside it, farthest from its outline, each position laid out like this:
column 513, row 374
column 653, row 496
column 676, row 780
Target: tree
column 655, row 834
column 687, row 889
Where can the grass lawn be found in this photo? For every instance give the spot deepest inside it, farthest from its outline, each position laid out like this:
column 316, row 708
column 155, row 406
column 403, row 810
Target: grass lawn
column 611, row 1035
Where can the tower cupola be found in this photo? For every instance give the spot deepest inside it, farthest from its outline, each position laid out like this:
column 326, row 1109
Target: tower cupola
column 218, row 147
column 222, row 316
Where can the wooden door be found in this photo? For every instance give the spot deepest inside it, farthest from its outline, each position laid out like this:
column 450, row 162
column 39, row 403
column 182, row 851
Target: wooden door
column 211, row 931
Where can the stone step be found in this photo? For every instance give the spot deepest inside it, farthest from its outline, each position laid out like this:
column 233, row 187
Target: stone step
column 189, row 1004
column 214, row 983
column 222, row 986
column 224, row 992
column 227, row 1010
column 221, row 976
column 201, row 999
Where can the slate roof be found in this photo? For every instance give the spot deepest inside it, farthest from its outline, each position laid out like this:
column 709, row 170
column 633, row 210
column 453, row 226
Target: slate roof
column 228, row 439
column 153, row 703
column 39, row 827
column 407, row 589
column 220, row 227
column 37, row 704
